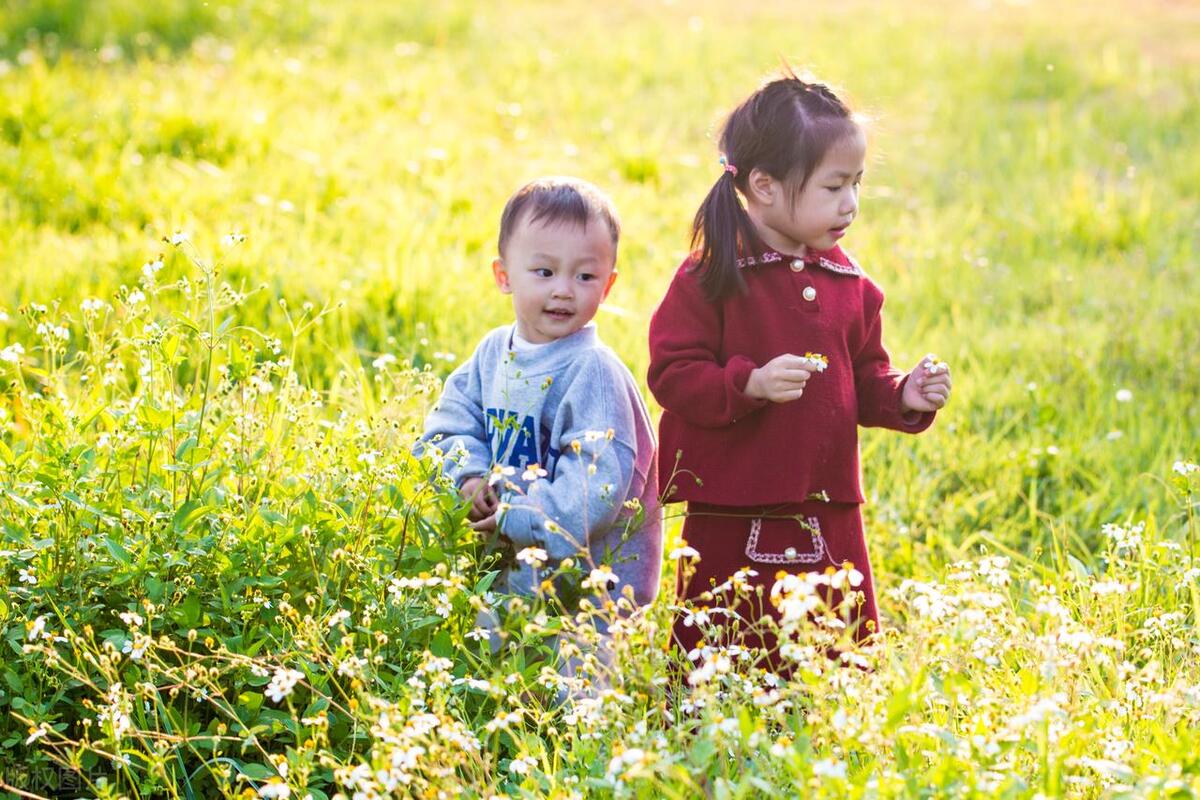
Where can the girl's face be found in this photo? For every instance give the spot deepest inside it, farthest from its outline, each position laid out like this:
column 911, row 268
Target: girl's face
column 819, row 216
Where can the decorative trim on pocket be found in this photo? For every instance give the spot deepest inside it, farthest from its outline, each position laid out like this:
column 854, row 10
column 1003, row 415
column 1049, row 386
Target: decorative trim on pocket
column 815, row 557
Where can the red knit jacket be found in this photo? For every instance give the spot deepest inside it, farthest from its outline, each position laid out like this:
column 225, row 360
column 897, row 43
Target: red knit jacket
column 717, row 445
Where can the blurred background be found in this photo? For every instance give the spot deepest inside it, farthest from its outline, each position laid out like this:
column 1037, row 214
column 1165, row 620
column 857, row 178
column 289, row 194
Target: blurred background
column 1030, row 206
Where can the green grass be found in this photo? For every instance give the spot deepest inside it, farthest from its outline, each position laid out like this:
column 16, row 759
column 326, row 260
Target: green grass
column 1029, row 209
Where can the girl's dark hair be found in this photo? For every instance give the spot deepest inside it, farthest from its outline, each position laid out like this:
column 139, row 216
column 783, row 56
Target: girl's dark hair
column 784, row 129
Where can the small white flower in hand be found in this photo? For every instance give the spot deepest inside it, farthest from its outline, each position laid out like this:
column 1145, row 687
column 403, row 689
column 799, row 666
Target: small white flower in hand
column 816, row 362
column 934, row 365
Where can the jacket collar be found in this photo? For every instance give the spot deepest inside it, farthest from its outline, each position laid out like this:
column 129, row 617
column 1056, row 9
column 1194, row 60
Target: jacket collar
column 835, row 260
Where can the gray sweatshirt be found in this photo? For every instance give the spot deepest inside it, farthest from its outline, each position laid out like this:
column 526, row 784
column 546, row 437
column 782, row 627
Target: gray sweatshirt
column 553, row 407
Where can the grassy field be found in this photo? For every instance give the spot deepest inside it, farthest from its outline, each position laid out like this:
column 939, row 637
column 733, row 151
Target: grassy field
column 218, row 445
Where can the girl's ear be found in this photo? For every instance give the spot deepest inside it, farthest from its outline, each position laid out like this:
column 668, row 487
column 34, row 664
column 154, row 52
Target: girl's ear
column 761, row 188
column 501, row 276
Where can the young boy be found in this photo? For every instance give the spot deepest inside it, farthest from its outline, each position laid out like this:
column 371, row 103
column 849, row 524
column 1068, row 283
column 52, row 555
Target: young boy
column 543, row 429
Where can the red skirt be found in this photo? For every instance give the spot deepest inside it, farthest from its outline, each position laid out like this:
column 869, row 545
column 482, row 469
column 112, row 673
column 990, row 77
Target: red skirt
column 768, row 540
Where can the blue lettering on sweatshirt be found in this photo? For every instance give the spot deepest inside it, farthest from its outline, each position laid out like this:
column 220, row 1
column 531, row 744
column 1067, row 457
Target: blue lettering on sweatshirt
column 514, row 442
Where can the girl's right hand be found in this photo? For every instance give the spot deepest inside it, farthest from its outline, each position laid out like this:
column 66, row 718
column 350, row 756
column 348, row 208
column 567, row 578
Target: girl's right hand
column 483, row 498
column 780, row 380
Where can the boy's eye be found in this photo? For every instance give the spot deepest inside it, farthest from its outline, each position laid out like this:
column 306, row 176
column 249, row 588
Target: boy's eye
column 542, row 272
column 586, row 276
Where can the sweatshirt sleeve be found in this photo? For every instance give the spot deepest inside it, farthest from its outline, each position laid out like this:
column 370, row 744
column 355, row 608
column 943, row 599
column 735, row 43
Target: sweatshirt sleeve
column 456, row 426
column 591, row 478
column 877, row 384
column 686, row 375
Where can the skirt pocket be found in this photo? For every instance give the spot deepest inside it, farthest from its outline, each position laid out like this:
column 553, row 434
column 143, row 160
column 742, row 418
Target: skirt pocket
column 786, row 540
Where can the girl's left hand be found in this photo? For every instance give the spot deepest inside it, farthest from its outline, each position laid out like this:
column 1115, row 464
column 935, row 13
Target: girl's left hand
column 928, row 386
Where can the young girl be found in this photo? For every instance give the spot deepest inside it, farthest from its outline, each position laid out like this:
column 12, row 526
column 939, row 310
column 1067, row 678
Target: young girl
column 766, row 355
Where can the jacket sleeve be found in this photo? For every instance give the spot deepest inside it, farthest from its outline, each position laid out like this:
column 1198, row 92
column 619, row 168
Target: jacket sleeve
column 591, row 479
column 456, row 426
column 686, row 375
column 877, row 384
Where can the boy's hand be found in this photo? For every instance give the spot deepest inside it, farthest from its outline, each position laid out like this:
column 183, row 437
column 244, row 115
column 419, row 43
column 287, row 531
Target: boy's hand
column 483, row 499
column 780, row 380
column 488, row 523
column 928, row 386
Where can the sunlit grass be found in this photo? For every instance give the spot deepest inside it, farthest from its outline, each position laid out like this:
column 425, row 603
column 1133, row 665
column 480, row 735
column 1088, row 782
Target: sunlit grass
column 1030, row 210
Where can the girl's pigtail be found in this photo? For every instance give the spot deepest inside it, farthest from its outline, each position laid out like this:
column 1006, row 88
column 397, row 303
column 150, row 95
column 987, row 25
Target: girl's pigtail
column 720, row 232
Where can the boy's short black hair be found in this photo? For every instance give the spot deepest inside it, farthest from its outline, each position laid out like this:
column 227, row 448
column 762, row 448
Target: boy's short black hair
column 559, row 199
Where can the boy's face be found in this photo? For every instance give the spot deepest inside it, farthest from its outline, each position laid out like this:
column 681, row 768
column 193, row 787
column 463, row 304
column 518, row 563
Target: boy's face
column 558, row 274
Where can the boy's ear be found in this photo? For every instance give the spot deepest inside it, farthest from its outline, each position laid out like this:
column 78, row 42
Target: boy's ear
column 611, row 280
column 501, row 276
column 761, row 187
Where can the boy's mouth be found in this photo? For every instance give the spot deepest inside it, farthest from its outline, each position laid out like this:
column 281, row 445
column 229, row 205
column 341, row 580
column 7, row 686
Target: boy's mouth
column 559, row 313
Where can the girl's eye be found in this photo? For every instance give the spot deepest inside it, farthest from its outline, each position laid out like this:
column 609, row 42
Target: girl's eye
column 833, row 188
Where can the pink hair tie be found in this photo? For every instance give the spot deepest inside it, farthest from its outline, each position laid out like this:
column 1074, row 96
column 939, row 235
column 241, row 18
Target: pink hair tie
column 728, row 167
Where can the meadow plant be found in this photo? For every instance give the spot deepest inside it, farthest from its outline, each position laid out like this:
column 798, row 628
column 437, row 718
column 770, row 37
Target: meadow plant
column 223, row 582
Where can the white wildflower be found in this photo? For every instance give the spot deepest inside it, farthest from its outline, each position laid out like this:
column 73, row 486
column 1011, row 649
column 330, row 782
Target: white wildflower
column 384, row 361
column 1124, row 538
column 533, row 556
column 601, row 579
column 151, row 268
column 12, row 354
column 499, row 473
column 282, row 683
column 36, row 628
column 830, row 768
column 275, row 788
column 684, row 552
column 522, row 765
column 533, row 472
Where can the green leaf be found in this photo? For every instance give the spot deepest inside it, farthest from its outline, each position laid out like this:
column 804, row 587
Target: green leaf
column 251, row 701
column 184, row 446
column 187, row 613
column 188, row 514
column 258, row 772
column 117, row 550
column 170, row 346
column 1078, row 567
column 442, row 645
